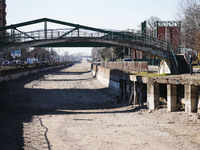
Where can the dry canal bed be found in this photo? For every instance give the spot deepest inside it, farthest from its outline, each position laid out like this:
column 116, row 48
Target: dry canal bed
column 68, row 109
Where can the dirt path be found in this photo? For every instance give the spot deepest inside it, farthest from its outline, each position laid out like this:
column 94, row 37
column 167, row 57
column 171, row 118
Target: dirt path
column 71, row 110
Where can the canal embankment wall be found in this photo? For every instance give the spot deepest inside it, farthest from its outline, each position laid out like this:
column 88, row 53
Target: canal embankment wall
column 176, row 92
column 10, row 75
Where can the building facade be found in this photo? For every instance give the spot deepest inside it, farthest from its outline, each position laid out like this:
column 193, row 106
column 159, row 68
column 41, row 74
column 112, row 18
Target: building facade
column 169, row 31
column 2, row 15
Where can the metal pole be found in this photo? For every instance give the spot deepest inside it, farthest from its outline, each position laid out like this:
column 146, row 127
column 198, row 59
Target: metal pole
column 13, row 34
column 112, row 54
column 78, row 32
column 180, row 42
column 166, row 34
column 191, row 68
column 45, row 29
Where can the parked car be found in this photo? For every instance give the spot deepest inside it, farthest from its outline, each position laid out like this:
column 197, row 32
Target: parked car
column 43, row 63
column 23, row 63
column 127, row 59
column 6, row 63
column 14, row 62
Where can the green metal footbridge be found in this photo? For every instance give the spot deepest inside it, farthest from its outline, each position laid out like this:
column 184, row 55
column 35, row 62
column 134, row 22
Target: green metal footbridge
column 76, row 35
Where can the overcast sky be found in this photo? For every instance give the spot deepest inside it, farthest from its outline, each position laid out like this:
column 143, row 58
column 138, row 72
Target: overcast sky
column 110, row 14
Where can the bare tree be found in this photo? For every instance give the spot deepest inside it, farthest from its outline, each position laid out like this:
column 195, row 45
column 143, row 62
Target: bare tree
column 119, row 53
column 197, row 41
column 107, row 54
column 96, row 53
column 53, row 55
column 150, row 25
column 189, row 13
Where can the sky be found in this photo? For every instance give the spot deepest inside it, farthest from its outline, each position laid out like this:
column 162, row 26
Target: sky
column 106, row 14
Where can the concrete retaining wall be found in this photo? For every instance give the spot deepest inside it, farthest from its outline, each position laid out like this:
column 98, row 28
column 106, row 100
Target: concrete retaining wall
column 104, row 76
column 114, row 80
column 138, row 66
column 138, row 90
column 18, row 74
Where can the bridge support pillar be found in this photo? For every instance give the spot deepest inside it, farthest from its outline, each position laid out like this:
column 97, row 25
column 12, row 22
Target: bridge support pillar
column 153, row 94
column 165, row 67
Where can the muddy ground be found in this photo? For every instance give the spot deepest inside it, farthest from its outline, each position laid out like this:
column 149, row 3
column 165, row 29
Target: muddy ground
column 68, row 109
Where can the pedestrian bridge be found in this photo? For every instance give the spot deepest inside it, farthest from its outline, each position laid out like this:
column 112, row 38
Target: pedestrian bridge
column 75, row 35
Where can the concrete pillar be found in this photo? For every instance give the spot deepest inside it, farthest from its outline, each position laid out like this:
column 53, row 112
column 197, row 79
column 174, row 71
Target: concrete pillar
column 198, row 105
column 141, row 95
column 171, row 97
column 130, row 87
column 131, row 92
column 135, row 93
column 191, row 98
column 121, row 89
column 125, row 96
column 153, row 94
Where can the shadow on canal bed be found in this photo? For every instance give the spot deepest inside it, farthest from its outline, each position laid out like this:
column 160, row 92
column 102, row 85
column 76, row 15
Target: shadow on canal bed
column 19, row 104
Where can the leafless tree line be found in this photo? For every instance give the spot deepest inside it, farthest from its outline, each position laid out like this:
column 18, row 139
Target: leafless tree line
column 107, row 53
column 189, row 13
column 151, row 25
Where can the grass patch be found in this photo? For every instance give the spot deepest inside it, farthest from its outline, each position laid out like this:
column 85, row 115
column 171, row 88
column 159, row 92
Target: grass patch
column 196, row 66
column 145, row 74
